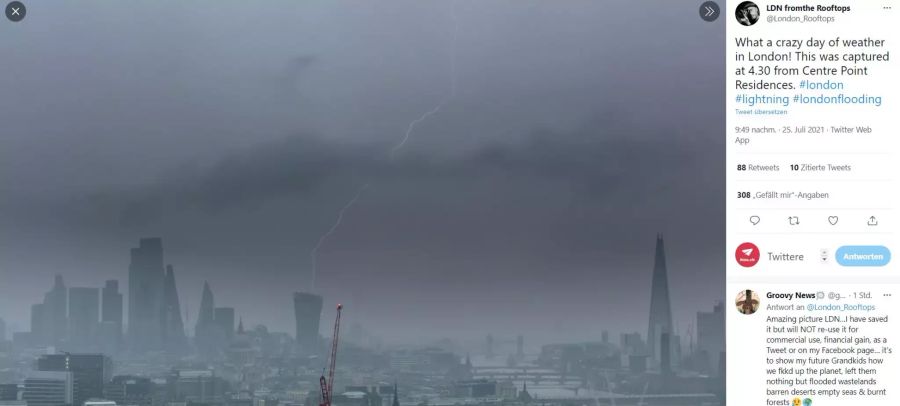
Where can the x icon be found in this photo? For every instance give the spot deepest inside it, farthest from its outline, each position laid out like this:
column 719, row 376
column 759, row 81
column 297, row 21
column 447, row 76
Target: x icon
column 15, row 11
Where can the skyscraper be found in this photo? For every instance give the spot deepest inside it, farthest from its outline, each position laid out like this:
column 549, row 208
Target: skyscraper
column 308, row 313
column 2, row 330
column 84, row 316
column 205, row 332
column 112, row 314
column 54, row 312
column 145, row 295
column 711, row 338
column 665, row 353
column 224, row 317
column 38, row 334
column 90, row 372
column 43, row 388
column 173, row 326
column 660, row 304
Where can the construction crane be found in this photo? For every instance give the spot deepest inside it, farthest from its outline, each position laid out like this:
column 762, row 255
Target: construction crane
column 327, row 385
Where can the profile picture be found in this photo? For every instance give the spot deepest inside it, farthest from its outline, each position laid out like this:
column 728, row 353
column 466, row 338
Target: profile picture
column 747, row 301
column 747, row 13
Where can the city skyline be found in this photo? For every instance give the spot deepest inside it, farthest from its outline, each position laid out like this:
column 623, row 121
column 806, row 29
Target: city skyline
column 659, row 299
column 221, row 337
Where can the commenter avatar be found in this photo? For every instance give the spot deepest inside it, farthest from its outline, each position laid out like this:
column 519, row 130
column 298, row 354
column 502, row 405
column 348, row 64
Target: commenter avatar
column 747, row 13
column 747, row 301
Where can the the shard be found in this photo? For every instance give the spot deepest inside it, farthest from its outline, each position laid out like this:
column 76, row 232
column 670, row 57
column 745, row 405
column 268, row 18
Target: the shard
column 660, row 305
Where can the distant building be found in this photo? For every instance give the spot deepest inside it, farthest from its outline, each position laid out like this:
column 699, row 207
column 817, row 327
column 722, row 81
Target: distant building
column 145, row 295
column 665, row 353
column 307, row 313
column 479, row 388
column 9, row 391
column 637, row 364
column 374, row 395
column 357, row 399
column 507, row 390
column 2, row 330
column 524, row 396
column 112, row 315
column 84, row 317
column 198, row 387
column 38, row 335
column 130, row 391
column 90, row 372
column 53, row 314
column 632, row 344
column 206, row 331
column 406, row 360
column 660, row 305
column 46, row 388
column 224, row 320
column 173, row 326
column 109, row 337
column 244, row 348
column 386, row 392
column 710, row 339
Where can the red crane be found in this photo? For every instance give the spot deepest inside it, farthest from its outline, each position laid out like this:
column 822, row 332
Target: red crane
column 327, row 386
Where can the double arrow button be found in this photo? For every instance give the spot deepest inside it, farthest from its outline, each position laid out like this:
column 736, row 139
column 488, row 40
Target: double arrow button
column 709, row 11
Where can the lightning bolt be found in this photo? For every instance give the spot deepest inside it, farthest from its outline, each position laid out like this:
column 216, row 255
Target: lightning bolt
column 437, row 108
column 314, row 254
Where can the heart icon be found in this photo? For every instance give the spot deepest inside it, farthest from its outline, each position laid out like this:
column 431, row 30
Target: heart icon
column 754, row 220
column 833, row 219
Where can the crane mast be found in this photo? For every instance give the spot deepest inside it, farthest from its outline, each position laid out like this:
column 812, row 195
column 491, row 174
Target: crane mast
column 327, row 385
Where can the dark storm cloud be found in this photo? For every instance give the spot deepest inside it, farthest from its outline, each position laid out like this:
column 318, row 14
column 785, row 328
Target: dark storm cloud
column 593, row 163
column 294, row 166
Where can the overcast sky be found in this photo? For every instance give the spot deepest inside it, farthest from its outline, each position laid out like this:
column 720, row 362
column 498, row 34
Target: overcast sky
column 236, row 131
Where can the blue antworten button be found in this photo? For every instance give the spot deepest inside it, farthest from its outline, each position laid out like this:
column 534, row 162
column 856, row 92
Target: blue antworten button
column 863, row 255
